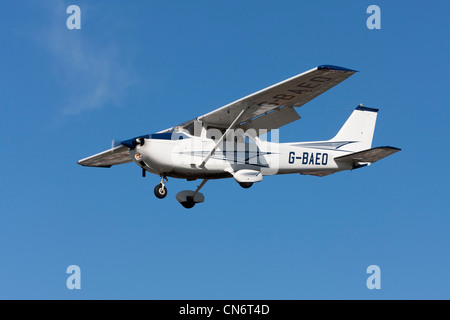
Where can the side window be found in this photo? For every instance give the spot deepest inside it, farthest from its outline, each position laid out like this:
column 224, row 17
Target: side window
column 190, row 128
column 194, row 128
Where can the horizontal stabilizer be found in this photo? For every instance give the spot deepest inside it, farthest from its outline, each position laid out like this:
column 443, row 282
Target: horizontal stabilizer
column 370, row 155
column 319, row 173
column 108, row 158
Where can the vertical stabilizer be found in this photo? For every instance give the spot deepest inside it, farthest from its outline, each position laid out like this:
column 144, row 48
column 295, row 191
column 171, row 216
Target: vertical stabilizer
column 358, row 129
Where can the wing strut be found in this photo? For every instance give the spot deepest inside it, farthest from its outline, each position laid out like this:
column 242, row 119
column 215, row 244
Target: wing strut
column 223, row 137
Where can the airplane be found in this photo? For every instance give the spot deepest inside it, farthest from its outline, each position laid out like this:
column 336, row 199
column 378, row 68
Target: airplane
column 227, row 143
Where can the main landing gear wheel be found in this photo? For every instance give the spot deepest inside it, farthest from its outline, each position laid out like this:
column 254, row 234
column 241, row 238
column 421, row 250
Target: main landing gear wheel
column 189, row 203
column 245, row 185
column 189, row 198
column 160, row 191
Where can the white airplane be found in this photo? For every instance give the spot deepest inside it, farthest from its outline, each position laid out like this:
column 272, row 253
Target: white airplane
column 226, row 142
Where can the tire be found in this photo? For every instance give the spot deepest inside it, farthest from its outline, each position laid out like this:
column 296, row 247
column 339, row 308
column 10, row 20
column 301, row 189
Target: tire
column 160, row 192
column 245, row 185
column 189, row 203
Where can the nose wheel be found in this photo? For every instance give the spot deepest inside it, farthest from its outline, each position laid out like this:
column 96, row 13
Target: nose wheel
column 161, row 190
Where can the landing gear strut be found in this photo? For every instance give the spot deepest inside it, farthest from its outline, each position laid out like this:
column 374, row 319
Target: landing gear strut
column 161, row 190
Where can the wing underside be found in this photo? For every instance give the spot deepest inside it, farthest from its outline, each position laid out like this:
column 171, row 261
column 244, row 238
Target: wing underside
column 274, row 106
column 108, row 158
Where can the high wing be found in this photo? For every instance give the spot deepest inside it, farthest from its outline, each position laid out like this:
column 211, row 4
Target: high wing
column 108, row 158
column 269, row 109
column 273, row 107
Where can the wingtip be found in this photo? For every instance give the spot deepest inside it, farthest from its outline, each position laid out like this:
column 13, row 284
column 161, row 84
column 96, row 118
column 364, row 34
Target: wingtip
column 80, row 163
column 361, row 108
column 335, row 68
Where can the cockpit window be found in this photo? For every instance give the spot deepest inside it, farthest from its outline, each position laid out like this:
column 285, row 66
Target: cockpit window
column 192, row 128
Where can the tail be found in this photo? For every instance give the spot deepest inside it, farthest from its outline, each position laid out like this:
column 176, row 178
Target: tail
column 357, row 132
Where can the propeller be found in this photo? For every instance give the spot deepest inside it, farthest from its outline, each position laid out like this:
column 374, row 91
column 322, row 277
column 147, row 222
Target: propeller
column 115, row 143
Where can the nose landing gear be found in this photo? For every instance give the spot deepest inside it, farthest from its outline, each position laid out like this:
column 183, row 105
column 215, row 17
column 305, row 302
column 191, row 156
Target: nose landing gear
column 161, row 190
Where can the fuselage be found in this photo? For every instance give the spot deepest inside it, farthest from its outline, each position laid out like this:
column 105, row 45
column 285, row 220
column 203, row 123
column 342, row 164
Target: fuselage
column 181, row 157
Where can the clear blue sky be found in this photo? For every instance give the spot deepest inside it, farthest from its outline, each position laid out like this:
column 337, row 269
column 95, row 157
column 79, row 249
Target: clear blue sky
column 137, row 67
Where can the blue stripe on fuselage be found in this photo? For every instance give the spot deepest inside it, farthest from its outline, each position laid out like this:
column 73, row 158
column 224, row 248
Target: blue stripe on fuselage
column 130, row 143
